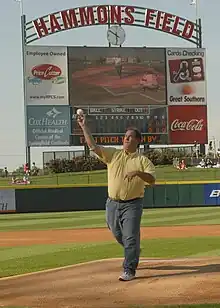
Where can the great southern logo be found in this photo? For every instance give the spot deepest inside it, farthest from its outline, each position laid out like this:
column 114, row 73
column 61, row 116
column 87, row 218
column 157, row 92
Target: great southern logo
column 46, row 72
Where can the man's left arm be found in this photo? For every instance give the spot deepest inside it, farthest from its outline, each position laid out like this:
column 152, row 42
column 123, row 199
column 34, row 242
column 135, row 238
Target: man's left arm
column 148, row 174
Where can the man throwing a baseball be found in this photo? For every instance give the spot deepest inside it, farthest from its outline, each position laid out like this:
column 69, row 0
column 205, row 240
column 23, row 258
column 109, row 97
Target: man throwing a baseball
column 128, row 172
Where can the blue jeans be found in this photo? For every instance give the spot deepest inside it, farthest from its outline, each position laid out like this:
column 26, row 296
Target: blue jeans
column 124, row 220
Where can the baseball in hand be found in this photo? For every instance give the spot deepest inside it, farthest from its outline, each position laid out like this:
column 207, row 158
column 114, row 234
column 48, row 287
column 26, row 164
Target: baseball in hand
column 79, row 112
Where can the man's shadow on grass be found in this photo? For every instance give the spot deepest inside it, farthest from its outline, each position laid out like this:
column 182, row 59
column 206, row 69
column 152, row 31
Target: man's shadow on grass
column 189, row 270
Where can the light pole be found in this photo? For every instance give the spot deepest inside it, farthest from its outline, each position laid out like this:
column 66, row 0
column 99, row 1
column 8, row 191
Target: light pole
column 196, row 4
column 21, row 4
column 23, row 46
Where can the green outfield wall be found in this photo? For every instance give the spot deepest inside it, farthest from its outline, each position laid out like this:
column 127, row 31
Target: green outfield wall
column 92, row 197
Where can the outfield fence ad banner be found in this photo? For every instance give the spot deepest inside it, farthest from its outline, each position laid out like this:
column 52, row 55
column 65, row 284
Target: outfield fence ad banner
column 7, row 201
column 212, row 194
column 46, row 75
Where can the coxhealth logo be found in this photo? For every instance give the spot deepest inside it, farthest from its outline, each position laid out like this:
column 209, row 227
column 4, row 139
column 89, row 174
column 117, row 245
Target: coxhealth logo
column 215, row 193
column 46, row 72
column 53, row 113
column 49, row 119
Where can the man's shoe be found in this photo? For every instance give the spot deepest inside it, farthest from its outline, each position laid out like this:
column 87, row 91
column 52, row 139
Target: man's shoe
column 126, row 276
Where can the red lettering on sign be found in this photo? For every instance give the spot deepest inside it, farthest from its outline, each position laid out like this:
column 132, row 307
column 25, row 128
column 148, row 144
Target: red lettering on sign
column 41, row 27
column 176, row 31
column 166, row 22
column 115, row 14
column 54, row 24
column 86, row 16
column 157, row 26
column 129, row 20
column 149, row 16
column 102, row 15
column 188, row 30
column 69, row 19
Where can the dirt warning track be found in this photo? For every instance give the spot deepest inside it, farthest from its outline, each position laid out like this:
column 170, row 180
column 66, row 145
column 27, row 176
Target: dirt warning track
column 22, row 238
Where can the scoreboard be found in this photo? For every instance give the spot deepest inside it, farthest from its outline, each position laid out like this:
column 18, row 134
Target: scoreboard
column 108, row 124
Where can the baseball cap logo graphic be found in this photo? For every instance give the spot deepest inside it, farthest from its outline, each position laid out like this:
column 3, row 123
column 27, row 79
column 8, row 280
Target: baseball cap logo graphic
column 192, row 125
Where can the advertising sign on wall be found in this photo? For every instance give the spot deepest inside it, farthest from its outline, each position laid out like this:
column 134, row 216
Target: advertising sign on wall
column 46, row 75
column 212, row 194
column 187, row 124
column 7, row 201
column 48, row 125
column 186, row 76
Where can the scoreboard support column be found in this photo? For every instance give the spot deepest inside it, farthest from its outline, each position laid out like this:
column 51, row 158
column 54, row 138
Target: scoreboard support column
column 86, row 151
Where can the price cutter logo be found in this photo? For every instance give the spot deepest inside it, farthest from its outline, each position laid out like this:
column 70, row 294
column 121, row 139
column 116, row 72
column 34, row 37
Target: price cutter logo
column 46, row 72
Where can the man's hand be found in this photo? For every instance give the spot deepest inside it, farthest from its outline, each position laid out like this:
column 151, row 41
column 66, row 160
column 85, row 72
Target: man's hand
column 130, row 175
column 81, row 120
column 146, row 177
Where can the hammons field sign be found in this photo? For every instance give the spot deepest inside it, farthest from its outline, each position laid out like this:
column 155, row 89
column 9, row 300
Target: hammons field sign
column 113, row 14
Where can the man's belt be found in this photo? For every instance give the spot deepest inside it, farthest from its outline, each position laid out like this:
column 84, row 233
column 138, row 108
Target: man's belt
column 124, row 201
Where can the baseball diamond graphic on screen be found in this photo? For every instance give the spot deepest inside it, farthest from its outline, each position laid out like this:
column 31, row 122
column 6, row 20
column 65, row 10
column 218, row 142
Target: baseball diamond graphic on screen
column 116, row 76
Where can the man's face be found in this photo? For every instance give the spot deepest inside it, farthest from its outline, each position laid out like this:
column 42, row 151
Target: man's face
column 130, row 142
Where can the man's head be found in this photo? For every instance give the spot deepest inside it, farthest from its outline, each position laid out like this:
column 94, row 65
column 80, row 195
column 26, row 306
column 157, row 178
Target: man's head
column 132, row 139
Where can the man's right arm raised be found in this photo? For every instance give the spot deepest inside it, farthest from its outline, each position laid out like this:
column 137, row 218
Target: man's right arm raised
column 104, row 154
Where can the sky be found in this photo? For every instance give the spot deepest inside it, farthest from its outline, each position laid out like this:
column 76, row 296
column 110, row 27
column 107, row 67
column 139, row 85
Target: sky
column 12, row 133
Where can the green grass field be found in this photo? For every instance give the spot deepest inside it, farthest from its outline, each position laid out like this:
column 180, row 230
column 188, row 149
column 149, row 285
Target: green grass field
column 164, row 174
column 39, row 257
column 96, row 219
column 25, row 259
column 174, row 306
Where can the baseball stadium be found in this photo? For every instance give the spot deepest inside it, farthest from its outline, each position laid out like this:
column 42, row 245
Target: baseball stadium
column 56, row 249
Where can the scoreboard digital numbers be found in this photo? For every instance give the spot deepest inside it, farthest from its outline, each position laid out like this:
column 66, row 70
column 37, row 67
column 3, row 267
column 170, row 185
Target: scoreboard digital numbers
column 108, row 124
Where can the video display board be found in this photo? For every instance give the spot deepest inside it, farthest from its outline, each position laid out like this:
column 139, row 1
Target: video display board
column 118, row 88
column 116, row 76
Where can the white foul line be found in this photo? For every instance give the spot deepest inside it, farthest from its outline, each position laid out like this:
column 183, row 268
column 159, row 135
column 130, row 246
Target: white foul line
column 127, row 93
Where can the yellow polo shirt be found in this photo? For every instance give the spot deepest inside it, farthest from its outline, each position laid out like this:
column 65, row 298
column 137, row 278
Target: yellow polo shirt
column 119, row 163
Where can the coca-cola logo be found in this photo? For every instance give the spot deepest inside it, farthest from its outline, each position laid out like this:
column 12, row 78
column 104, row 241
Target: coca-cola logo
column 191, row 125
column 46, row 71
